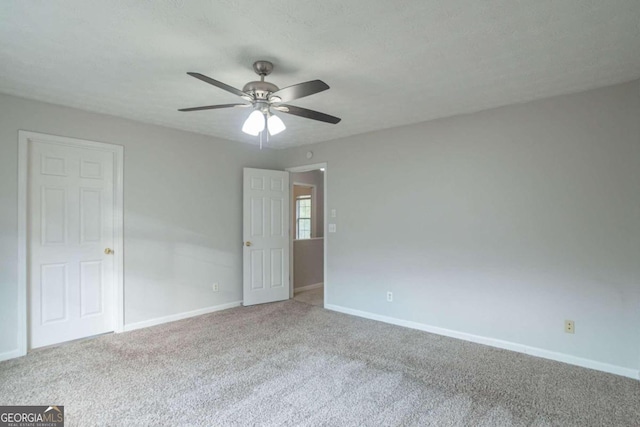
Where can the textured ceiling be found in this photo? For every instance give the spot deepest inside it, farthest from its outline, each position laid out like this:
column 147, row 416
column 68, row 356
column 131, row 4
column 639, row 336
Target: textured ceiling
column 388, row 63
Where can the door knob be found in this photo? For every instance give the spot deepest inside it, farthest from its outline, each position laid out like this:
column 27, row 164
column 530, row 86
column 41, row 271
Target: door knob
column 248, row 243
column 108, row 251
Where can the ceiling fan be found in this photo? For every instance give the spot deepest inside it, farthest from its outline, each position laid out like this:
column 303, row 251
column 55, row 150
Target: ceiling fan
column 264, row 97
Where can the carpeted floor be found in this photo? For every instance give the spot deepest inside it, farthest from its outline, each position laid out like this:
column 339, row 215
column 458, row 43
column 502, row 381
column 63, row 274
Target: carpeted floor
column 291, row 363
column 313, row 297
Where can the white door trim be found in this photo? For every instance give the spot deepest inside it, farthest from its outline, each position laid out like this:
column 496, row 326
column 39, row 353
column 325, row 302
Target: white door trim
column 307, row 168
column 24, row 137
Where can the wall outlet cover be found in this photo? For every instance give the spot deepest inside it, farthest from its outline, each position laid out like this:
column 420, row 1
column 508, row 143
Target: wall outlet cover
column 569, row 327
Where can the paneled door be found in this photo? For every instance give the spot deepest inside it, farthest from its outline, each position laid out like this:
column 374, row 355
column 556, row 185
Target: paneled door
column 70, row 242
column 266, row 236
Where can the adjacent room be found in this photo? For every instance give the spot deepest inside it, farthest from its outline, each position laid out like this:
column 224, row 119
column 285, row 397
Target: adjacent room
column 307, row 234
column 339, row 213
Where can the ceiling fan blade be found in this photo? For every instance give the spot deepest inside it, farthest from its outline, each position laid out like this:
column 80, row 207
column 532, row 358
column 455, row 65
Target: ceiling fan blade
column 216, row 83
column 214, row 107
column 307, row 114
column 299, row 91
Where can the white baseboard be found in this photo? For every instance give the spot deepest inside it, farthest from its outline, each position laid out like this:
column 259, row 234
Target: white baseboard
column 180, row 316
column 520, row 348
column 308, row 287
column 11, row 354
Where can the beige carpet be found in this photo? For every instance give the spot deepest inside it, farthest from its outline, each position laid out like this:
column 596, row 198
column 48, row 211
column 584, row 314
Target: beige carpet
column 293, row 364
column 313, row 297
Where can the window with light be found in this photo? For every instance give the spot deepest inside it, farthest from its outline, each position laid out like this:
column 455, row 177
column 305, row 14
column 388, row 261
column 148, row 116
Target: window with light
column 303, row 217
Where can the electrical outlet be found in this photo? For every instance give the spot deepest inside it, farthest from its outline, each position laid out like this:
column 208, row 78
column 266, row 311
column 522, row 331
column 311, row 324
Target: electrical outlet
column 390, row 296
column 569, row 327
column 332, row 228
column 215, row 287
column 333, row 213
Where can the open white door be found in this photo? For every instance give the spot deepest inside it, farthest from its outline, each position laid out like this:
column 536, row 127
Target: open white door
column 266, row 236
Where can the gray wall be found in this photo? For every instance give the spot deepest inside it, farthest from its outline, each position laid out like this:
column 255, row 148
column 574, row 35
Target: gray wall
column 183, row 204
column 308, row 262
column 501, row 224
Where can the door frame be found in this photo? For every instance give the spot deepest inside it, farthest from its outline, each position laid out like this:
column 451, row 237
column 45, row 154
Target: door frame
column 24, row 138
column 308, row 168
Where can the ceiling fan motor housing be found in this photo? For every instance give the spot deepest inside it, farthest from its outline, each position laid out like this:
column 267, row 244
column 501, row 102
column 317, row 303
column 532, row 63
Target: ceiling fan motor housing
column 260, row 89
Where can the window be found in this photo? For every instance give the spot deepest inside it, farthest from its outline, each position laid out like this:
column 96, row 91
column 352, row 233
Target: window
column 303, row 217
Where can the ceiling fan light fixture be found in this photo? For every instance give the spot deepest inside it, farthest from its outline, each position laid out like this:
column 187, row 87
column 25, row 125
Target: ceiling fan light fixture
column 254, row 124
column 275, row 125
column 262, row 96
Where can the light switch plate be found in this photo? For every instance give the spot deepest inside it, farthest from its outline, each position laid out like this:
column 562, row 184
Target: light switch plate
column 332, row 228
column 333, row 213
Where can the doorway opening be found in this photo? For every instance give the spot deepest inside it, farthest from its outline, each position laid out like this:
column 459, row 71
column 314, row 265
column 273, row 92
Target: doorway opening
column 307, row 234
